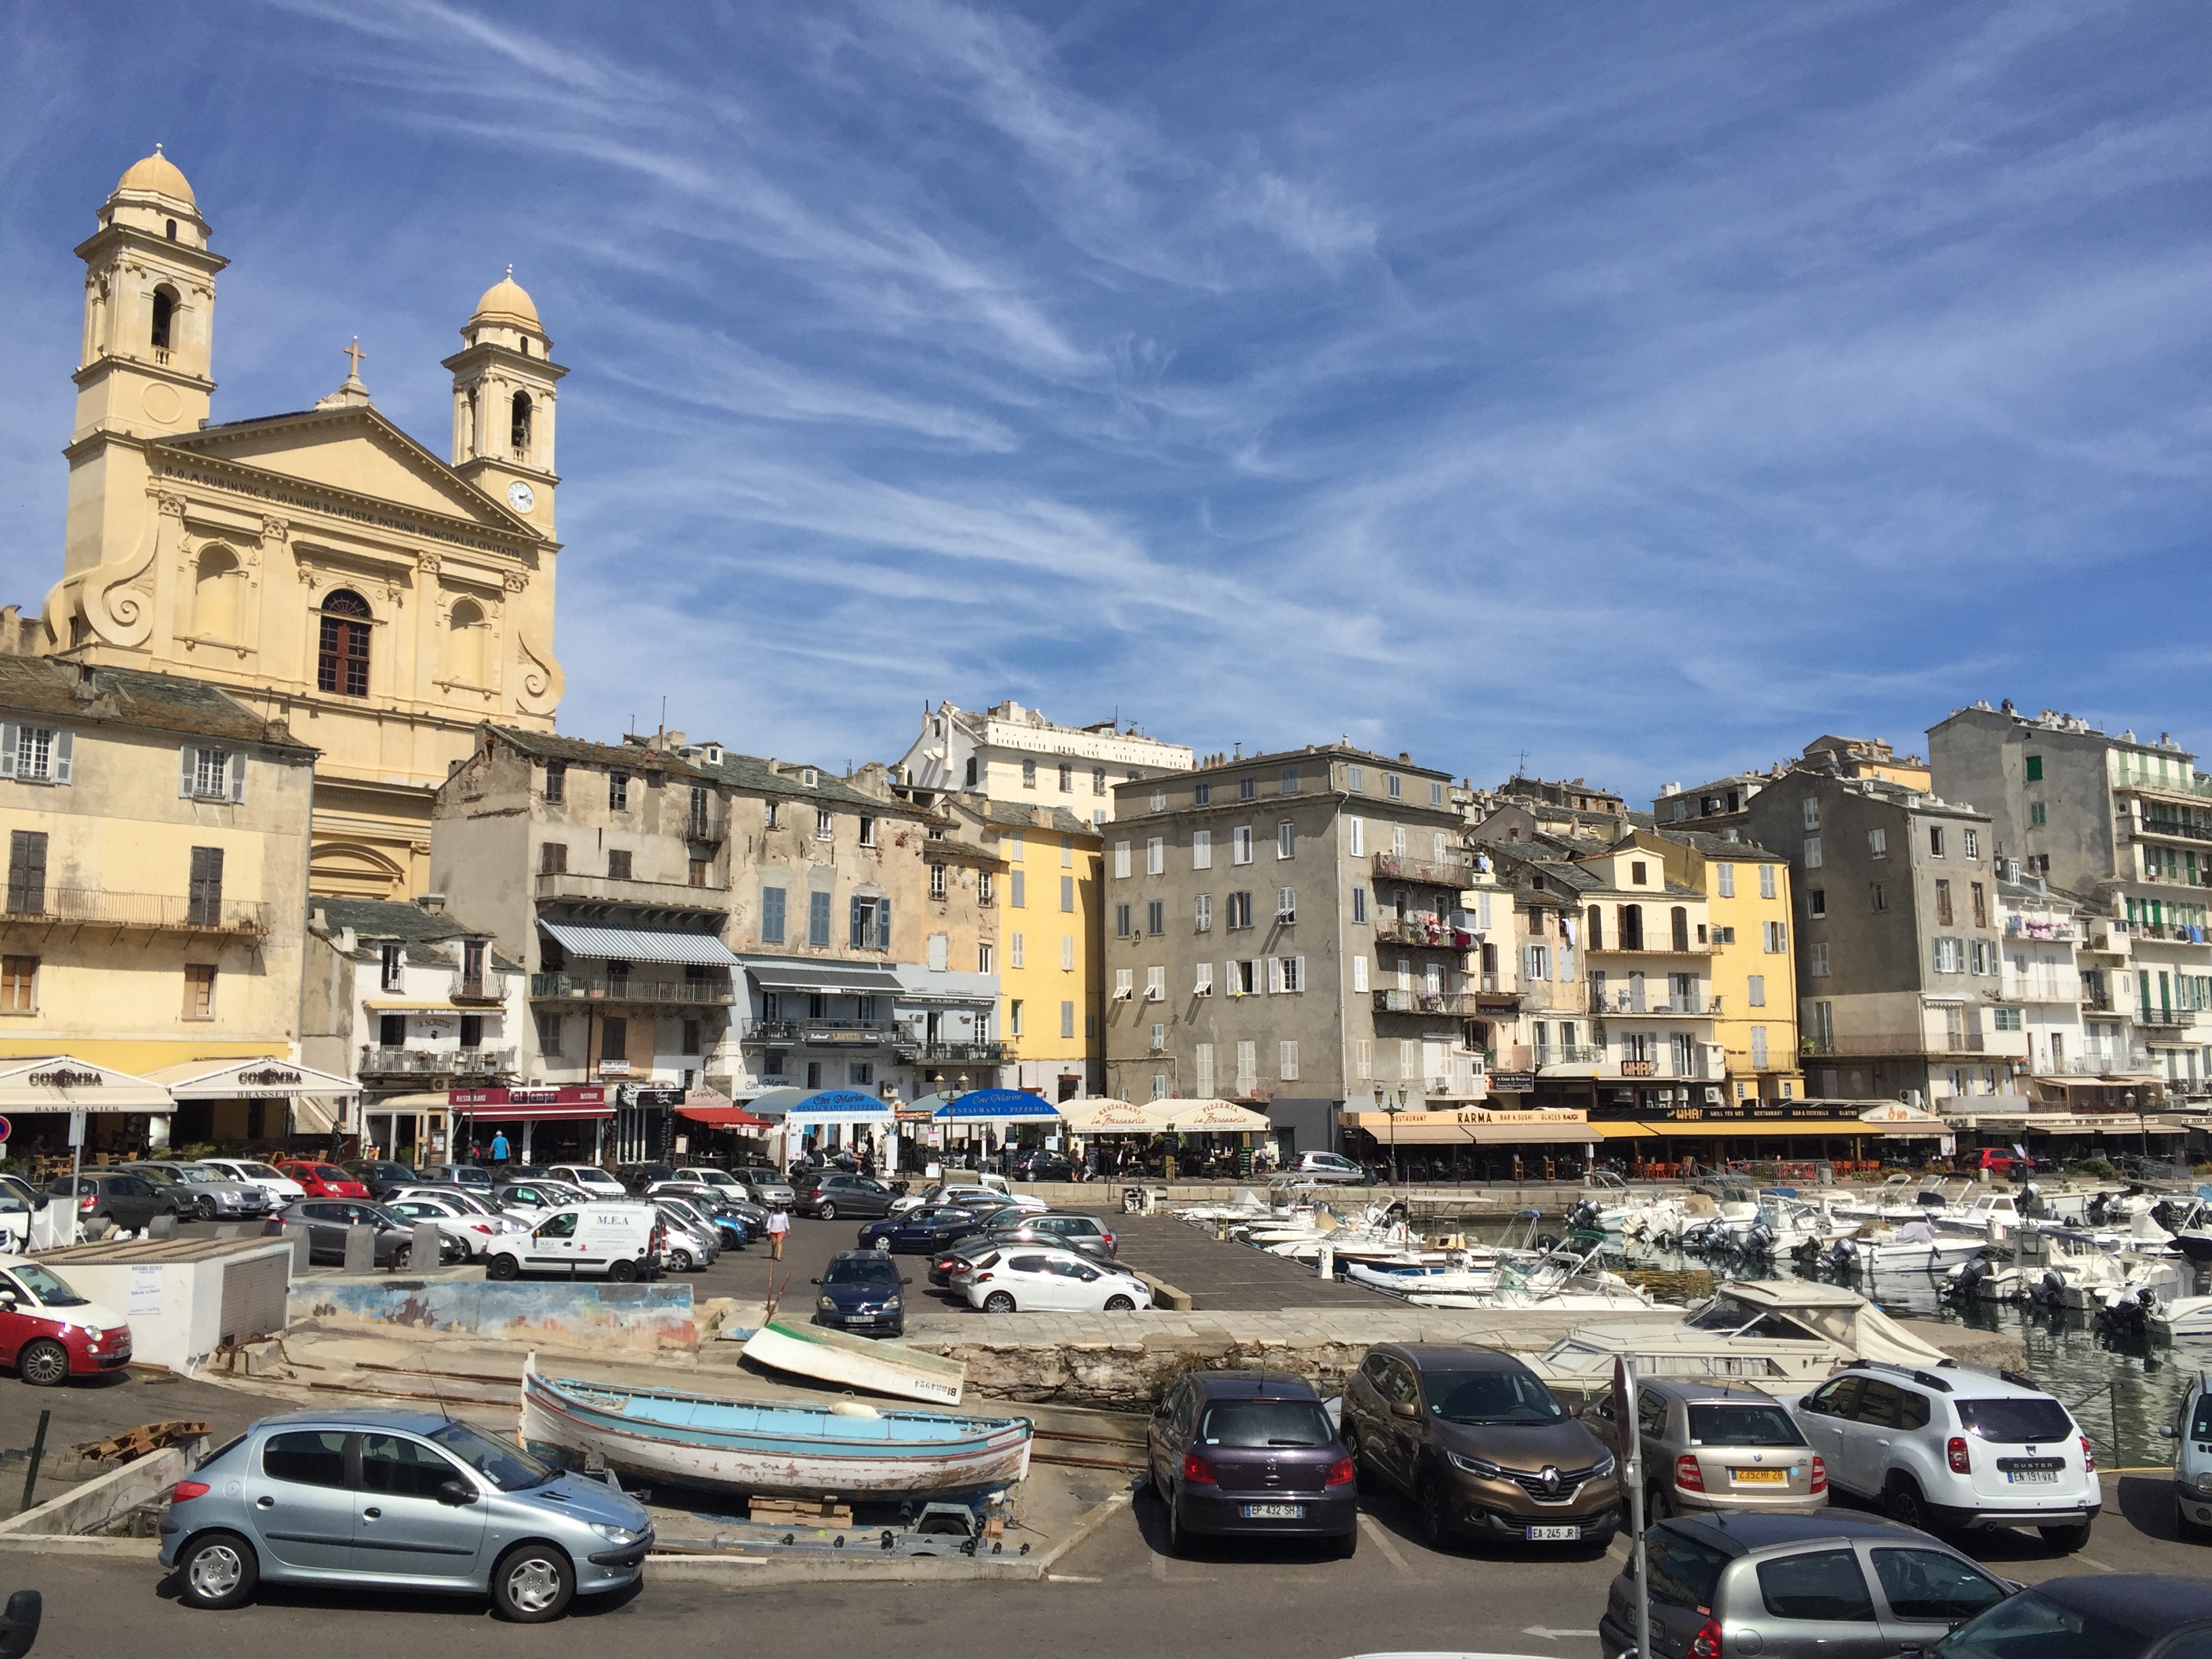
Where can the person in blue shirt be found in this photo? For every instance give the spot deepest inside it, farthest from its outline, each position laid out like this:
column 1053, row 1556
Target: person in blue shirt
column 499, row 1147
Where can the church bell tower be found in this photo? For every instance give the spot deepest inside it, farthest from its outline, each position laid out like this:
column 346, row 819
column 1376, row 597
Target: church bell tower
column 504, row 380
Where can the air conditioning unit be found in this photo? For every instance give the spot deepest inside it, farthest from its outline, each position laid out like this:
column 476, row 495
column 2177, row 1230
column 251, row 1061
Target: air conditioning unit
column 1712, row 1096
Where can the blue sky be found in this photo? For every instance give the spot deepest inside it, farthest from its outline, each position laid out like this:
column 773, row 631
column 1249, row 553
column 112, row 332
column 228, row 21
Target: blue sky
column 1650, row 388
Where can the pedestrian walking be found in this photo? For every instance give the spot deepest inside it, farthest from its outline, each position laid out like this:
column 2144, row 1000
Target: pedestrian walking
column 778, row 1224
column 499, row 1149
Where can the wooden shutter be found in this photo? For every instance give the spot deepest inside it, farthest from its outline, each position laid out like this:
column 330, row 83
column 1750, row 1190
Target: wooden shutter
column 11, row 734
column 857, row 932
column 1274, row 975
column 191, row 759
column 883, row 924
column 64, row 760
column 1301, row 975
column 238, row 776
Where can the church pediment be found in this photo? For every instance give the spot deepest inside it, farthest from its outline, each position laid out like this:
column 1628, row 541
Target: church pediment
column 354, row 452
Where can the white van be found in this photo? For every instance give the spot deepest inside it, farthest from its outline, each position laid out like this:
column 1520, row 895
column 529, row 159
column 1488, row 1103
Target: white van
column 588, row 1178
column 621, row 1240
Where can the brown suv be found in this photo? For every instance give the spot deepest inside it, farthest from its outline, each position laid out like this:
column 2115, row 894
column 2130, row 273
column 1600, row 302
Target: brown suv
column 1475, row 1439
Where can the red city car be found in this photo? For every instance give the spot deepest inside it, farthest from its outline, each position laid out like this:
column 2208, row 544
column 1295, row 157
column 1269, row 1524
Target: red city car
column 323, row 1180
column 50, row 1334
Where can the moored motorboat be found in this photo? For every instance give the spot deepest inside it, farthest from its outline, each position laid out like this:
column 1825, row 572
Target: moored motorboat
column 847, row 1450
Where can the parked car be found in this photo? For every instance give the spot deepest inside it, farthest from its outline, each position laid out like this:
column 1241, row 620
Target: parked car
column 204, row 1195
column 1475, row 1439
column 1951, row 1449
column 50, row 1334
column 859, row 1290
column 473, row 1176
column 533, row 1195
column 1086, row 1233
column 325, row 1180
column 765, row 1185
column 401, row 1500
column 381, row 1176
column 734, row 1227
column 920, row 1231
column 1718, row 1446
column 688, row 1243
column 1251, row 1455
column 971, row 1189
column 128, row 1200
column 622, row 1239
column 834, row 1194
column 2192, row 1428
column 589, row 1179
column 1325, row 1166
column 1011, row 1280
column 709, row 1175
column 329, row 1220
column 1828, row 1585
column 1040, row 1166
column 2118, row 1615
column 474, row 1232
column 281, row 1188
column 636, row 1177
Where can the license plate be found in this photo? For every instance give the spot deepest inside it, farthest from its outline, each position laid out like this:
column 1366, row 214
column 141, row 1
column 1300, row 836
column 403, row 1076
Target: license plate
column 1759, row 1477
column 2032, row 1477
column 1275, row 1512
column 1553, row 1535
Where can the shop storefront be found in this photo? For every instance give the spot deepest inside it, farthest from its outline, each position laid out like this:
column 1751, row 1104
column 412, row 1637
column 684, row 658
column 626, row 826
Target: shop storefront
column 412, row 1129
column 565, row 1125
column 831, row 1121
column 40, row 1098
column 1665, row 1138
column 987, row 1122
column 1495, row 1143
column 270, row 1105
column 712, row 1128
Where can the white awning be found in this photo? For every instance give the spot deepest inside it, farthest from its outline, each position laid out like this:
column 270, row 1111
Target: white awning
column 642, row 944
column 266, row 1078
column 62, row 1083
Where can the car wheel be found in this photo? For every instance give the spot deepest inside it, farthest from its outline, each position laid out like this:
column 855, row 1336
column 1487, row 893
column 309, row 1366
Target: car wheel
column 1348, row 1545
column 503, row 1266
column 1435, row 1507
column 217, row 1571
column 2184, row 1528
column 1363, row 1471
column 679, row 1260
column 2065, row 1539
column 1121, row 1304
column 533, row 1584
column 1178, row 1538
column 1658, row 1504
column 1907, row 1507
column 624, row 1271
column 828, row 1213
column 43, row 1364
column 205, row 1210
column 998, row 1301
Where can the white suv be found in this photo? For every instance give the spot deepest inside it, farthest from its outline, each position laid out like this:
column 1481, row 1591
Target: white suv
column 1954, row 1448
column 1325, row 1166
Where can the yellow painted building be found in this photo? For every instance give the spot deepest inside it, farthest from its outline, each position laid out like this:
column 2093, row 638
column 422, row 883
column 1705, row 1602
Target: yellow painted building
column 1048, row 944
column 157, row 845
column 323, row 567
column 1753, row 972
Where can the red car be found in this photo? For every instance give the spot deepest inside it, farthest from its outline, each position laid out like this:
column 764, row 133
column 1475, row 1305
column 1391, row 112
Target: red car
column 323, row 1180
column 50, row 1334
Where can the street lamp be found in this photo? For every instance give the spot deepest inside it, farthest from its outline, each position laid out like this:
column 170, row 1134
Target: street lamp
column 1385, row 1102
column 2143, row 1124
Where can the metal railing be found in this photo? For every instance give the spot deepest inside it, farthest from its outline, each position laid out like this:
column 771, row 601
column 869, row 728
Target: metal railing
column 2173, row 827
column 1895, row 1042
column 2170, row 1017
column 1624, row 1002
column 1576, row 1054
column 1415, row 930
column 1459, row 1004
column 1452, row 872
column 377, row 1062
column 163, row 913
column 569, row 884
column 825, row 1033
column 699, row 991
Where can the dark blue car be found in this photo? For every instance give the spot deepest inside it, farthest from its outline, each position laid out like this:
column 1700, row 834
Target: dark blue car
column 859, row 1290
column 922, row 1232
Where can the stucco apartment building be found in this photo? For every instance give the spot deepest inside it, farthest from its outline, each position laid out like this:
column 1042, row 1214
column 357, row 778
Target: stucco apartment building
column 1898, row 937
column 2127, row 826
column 1290, row 930
column 1010, row 753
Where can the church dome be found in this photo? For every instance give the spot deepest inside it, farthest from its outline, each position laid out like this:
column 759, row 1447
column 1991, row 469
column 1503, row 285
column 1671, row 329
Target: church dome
column 504, row 302
column 158, row 174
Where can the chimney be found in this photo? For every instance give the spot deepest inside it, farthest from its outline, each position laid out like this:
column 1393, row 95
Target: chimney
column 432, row 904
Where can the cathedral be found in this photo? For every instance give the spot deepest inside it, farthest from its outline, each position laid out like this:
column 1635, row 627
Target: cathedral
column 320, row 565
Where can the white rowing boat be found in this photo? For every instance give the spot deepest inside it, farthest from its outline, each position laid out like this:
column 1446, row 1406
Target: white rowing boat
column 857, row 1362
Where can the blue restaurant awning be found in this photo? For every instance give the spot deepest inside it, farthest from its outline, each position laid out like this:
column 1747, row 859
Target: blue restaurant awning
column 997, row 1106
column 838, row 1106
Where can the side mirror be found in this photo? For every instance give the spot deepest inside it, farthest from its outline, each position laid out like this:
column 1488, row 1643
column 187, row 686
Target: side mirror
column 456, row 1491
column 19, row 1625
column 1407, row 1409
column 814, row 1281
column 2166, row 1430
column 906, row 1281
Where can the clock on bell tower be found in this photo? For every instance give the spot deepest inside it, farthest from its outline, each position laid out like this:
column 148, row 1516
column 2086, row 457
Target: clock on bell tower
column 504, row 381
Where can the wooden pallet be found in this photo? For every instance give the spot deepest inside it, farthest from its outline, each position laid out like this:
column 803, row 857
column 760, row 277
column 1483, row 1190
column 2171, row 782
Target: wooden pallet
column 799, row 1512
column 138, row 1442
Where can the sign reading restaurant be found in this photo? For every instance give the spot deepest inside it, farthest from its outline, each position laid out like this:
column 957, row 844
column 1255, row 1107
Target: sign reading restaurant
column 1471, row 1114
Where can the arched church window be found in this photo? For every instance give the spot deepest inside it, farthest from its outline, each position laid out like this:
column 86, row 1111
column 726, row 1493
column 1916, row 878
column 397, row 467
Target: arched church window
column 465, row 643
column 525, row 344
column 217, row 581
column 342, row 661
column 519, row 429
column 172, row 230
column 165, row 312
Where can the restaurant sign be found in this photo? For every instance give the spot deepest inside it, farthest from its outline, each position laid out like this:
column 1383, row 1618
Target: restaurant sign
column 569, row 1095
column 1410, row 1120
column 61, row 1077
column 1512, row 1082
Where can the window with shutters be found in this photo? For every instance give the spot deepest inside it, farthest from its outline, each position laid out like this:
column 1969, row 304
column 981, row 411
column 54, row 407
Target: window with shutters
column 1067, row 953
column 1159, row 801
column 1156, row 917
column 36, row 754
column 1155, row 984
column 1355, row 838
column 1067, row 779
column 1159, row 1085
column 1015, row 949
column 1723, row 882
column 26, row 872
column 1204, row 913
column 1877, row 843
column 1285, row 839
column 771, row 927
column 1240, row 912
column 1202, row 1070
column 19, row 985
column 1679, row 921
column 817, row 918
column 1067, row 894
column 1766, row 888
column 986, row 886
column 985, row 962
column 557, row 781
column 1248, row 1067
column 1816, row 901
column 203, row 907
column 1981, row 904
column 2035, row 814
column 1156, row 856
column 342, row 653
column 1363, row 1058
column 1244, row 979
column 199, row 990
column 1536, row 962
column 1758, row 1047
column 1240, row 844
column 1201, row 794
column 1120, row 861
column 1287, row 1062
column 1018, row 889
column 1248, row 789
column 1125, row 984
column 1029, row 775
column 1359, row 976
column 1201, row 849
column 1202, row 983
column 1935, row 841
column 1123, row 925
column 1067, row 1019
column 1812, row 852
column 1950, row 956
column 391, row 971
column 1876, row 898
column 936, row 882
column 1811, row 813
column 1943, row 903
column 869, row 927
column 1398, row 839
column 1777, row 938
column 1359, row 904
column 1293, row 970
column 213, row 773
column 940, row 952
column 1393, row 785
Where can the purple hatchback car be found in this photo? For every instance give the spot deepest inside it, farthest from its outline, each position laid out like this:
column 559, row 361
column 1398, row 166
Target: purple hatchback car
column 1251, row 1454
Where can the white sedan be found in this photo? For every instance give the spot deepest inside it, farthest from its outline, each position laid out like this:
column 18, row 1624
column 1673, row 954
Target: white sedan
column 281, row 1188
column 455, row 1218
column 956, row 1194
column 1021, row 1279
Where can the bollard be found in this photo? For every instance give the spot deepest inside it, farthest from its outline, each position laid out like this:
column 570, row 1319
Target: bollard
column 37, row 1456
column 422, row 1255
column 162, row 1226
column 361, row 1249
column 1327, row 1262
column 302, row 1242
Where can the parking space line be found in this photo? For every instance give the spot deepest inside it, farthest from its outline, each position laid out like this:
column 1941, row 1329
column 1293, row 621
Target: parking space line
column 1070, row 1578
column 1381, row 1540
column 2100, row 1565
column 1159, row 1566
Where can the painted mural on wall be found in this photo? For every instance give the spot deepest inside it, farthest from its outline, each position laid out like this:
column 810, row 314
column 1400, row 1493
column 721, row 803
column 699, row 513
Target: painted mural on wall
column 558, row 1314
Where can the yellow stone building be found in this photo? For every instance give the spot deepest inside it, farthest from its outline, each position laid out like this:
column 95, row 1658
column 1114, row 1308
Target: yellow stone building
column 322, row 567
column 1050, row 944
column 1754, row 973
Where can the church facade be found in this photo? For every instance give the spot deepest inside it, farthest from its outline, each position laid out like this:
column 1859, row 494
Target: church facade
column 321, row 566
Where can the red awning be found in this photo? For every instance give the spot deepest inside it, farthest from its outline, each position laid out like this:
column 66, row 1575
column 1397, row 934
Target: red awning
column 538, row 1105
column 723, row 1117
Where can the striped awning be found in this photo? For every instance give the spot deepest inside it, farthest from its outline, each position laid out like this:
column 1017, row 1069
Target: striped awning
column 641, row 944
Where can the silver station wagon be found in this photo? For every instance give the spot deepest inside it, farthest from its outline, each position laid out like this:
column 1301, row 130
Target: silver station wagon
column 404, row 1500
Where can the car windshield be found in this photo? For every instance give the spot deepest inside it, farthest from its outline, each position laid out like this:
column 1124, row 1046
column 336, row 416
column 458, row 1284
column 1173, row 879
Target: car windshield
column 1496, row 1397
column 470, row 1202
column 1265, row 1423
column 192, row 1175
column 1682, row 1571
column 2032, row 1624
column 856, row 1270
column 2016, row 1422
column 503, row 1465
column 1743, row 1425
column 259, row 1172
column 50, row 1291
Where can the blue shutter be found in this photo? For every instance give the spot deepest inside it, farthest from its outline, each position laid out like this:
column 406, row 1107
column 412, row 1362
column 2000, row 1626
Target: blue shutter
column 883, row 924
column 858, row 932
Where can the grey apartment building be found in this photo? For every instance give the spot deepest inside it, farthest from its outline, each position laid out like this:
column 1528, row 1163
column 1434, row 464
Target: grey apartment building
column 1291, row 931
column 1899, row 975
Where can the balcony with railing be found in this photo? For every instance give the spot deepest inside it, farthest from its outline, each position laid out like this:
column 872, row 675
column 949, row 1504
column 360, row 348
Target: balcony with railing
column 1883, row 1043
column 1618, row 1001
column 629, row 988
column 1450, row 872
column 2031, row 927
column 135, row 913
column 2165, row 1019
column 978, row 1053
column 573, row 887
column 2172, row 828
column 1565, row 1054
column 1459, row 1005
column 1427, row 931
column 827, row 1033
column 378, row 1061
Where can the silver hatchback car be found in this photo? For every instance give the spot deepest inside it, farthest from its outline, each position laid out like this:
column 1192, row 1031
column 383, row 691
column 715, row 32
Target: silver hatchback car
column 1718, row 1446
column 403, row 1500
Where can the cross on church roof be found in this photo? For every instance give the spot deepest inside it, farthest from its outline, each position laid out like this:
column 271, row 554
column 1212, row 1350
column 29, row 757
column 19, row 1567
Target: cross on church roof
column 355, row 354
